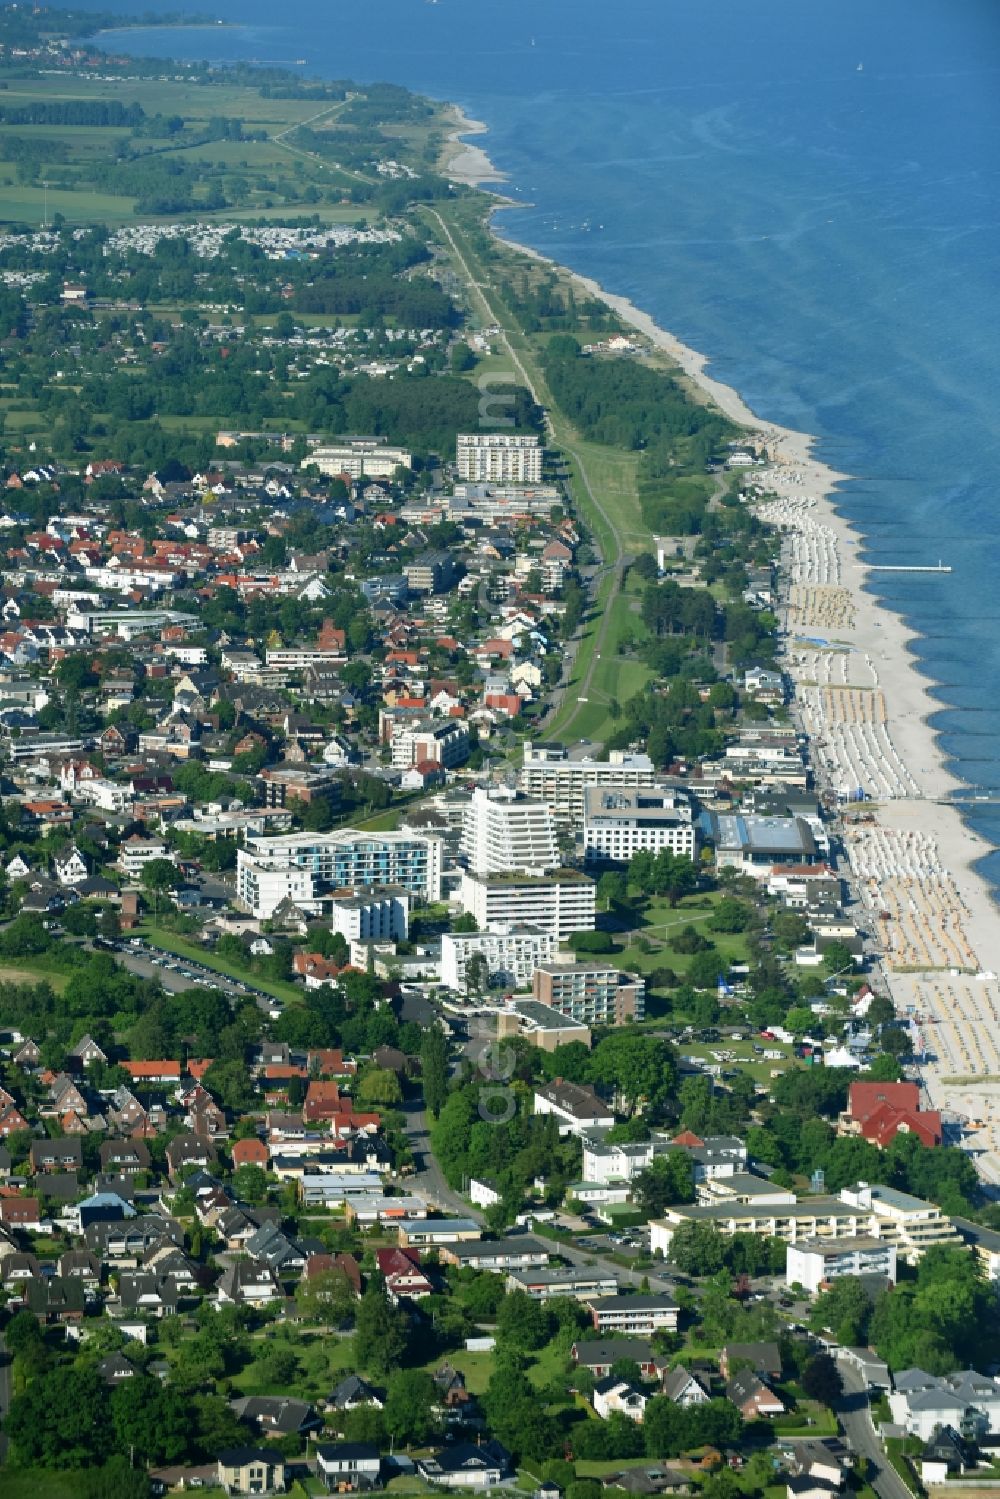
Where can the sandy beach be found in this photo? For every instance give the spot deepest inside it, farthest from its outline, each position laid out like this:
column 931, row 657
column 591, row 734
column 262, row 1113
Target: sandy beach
column 866, row 709
column 463, row 162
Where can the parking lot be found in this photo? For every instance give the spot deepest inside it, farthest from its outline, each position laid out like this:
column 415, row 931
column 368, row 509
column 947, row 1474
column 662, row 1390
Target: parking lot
column 174, row 973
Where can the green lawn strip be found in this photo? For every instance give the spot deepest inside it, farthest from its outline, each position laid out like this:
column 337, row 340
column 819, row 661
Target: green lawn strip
column 34, row 971
column 39, row 1483
column 170, row 942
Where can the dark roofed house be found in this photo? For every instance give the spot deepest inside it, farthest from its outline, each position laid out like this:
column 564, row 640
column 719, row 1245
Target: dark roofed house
column 116, row 1369
column 53, row 1299
column 466, row 1466
column 351, row 1392
column 251, row 1470
column 56, row 1155
column 599, row 1356
column 188, row 1150
column 347, row 1467
column 277, row 1415
column 752, row 1397
column 764, row 1358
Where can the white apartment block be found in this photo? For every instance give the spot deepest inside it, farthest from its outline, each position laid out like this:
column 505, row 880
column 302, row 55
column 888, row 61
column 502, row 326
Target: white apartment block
column 549, row 775
column 299, row 658
column 498, row 458
column 512, row 954
column 135, row 853
column 445, row 744
column 814, row 1263
column 561, row 902
column 107, row 796
column 502, row 832
column 358, row 458
column 306, row 867
column 859, row 1212
column 619, row 821
column 378, row 916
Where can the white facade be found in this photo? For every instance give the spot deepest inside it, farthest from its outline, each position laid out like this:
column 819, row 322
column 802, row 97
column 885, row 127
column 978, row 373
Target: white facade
column 512, row 954
column 549, row 775
column 501, row 832
column 302, row 866
column 620, row 821
column 136, row 853
column 445, row 744
column 811, row 1264
column 499, row 458
column 359, row 458
column 382, row 916
column 560, row 903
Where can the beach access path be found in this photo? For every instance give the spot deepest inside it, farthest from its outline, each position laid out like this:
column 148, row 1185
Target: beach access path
column 577, row 688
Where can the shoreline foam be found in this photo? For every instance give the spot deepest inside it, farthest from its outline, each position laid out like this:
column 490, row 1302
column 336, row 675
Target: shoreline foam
column 881, row 671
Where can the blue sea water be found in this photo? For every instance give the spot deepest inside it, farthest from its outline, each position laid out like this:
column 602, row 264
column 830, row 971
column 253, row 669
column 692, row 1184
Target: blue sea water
column 809, row 193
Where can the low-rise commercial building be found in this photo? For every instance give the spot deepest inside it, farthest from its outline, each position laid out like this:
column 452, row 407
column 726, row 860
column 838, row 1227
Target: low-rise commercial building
column 633, row 1316
column 860, row 1212
column 358, row 458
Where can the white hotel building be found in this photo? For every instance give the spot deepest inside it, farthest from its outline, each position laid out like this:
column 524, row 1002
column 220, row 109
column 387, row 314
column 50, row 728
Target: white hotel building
column 498, row 458
column 618, row 821
column 512, row 954
column 306, row 867
column 548, row 774
column 561, row 902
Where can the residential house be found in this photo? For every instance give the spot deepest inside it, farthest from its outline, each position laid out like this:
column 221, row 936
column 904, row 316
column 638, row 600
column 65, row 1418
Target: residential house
column 348, row 1467
column 683, row 1388
column 613, row 1396
column 251, row 1470
column 465, row 1466
column 752, row 1397
column 277, row 1415
column 599, row 1357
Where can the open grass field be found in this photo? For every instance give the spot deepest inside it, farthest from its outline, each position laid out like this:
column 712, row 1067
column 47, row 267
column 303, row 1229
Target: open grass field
column 661, row 922
column 267, row 177
column 34, row 971
column 39, row 1483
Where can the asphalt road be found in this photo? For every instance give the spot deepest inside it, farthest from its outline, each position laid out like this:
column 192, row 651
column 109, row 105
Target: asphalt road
column 4, row 1395
column 428, row 1179
column 855, row 1417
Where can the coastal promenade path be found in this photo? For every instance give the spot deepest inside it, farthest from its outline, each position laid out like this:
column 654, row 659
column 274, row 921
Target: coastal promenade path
column 570, row 709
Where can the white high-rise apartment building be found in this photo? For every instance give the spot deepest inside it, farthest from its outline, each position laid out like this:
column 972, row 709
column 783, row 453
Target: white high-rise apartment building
column 498, row 458
column 502, row 831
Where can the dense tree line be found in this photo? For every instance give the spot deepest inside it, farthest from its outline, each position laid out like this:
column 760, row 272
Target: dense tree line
column 626, row 404
column 83, row 112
